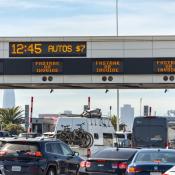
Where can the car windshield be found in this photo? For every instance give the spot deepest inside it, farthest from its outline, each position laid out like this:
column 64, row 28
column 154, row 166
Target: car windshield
column 115, row 154
column 22, row 146
column 165, row 157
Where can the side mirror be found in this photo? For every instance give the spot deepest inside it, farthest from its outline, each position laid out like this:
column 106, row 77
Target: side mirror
column 75, row 153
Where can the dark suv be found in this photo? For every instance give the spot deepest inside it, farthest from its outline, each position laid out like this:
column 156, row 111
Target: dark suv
column 37, row 157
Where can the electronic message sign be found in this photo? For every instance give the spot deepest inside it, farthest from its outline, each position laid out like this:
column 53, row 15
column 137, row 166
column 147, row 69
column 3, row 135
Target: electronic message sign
column 164, row 66
column 48, row 49
column 1, row 68
column 107, row 66
column 87, row 66
column 47, row 67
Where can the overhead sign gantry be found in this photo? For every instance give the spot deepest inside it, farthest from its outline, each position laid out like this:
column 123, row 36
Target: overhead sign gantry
column 87, row 62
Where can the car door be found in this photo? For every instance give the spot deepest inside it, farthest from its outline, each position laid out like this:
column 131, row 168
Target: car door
column 55, row 155
column 71, row 160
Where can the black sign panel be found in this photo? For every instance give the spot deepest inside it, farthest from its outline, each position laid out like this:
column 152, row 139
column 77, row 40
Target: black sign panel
column 1, row 68
column 162, row 66
column 107, row 66
column 88, row 66
column 47, row 67
column 48, row 49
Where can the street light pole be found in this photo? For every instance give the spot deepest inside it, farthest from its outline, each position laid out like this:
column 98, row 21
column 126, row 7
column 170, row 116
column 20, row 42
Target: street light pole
column 117, row 117
column 140, row 107
column 117, row 17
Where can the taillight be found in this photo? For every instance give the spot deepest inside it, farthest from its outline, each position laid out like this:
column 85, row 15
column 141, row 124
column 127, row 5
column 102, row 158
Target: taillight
column 165, row 174
column 35, row 154
column 38, row 154
column 100, row 161
column 123, row 165
column 85, row 164
column 133, row 170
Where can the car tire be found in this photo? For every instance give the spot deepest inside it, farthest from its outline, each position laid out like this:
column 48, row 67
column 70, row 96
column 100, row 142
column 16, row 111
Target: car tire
column 51, row 171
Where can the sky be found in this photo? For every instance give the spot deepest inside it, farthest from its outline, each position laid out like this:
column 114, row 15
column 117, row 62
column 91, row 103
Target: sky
column 89, row 18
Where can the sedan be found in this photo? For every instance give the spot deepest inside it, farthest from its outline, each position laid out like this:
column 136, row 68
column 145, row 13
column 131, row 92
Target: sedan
column 110, row 161
column 151, row 162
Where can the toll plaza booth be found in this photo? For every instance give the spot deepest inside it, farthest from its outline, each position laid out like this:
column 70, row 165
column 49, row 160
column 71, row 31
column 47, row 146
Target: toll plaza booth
column 87, row 62
column 44, row 123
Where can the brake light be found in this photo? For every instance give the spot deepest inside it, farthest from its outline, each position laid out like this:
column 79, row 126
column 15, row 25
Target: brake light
column 38, row 154
column 85, row 164
column 100, row 161
column 133, row 170
column 35, row 154
column 88, row 164
column 123, row 165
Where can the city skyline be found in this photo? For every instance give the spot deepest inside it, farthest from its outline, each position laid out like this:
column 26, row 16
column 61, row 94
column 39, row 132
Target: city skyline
column 89, row 18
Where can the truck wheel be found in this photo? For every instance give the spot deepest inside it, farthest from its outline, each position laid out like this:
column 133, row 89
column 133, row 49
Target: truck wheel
column 51, row 171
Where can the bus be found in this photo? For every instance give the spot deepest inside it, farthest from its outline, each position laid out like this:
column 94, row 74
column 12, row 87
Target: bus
column 153, row 132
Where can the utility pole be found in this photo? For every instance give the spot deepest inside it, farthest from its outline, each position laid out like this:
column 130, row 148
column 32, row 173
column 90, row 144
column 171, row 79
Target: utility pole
column 117, row 117
column 117, row 17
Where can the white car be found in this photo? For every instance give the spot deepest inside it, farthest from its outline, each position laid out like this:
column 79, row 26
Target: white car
column 171, row 171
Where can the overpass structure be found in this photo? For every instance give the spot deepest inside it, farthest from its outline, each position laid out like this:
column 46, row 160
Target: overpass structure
column 87, row 62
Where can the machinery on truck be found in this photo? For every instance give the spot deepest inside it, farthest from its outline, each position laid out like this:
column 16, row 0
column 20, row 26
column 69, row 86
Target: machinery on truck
column 153, row 131
column 92, row 122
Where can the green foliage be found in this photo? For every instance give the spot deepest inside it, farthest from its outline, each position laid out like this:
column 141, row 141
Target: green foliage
column 114, row 121
column 14, row 129
column 11, row 115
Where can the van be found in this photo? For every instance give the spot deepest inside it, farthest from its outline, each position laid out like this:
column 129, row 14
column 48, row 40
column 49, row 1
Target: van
column 100, row 128
column 124, row 138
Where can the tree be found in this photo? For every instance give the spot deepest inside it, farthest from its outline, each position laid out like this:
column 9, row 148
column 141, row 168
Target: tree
column 11, row 115
column 114, row 121
column 14, row 128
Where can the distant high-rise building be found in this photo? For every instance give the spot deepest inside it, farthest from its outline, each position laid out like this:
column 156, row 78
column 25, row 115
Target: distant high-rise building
column 8, row 98
column 127, row 115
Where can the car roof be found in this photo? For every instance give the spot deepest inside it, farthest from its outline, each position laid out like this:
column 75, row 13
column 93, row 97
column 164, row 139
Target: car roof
column 120, row 149
column 155, row 150
column 30, row 140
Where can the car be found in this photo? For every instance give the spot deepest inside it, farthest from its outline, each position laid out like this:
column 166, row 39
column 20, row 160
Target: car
column 151, row 161
column 34, row 156
column 171, row 171
column 29, row 135
column 109, row 161
column 4, row 134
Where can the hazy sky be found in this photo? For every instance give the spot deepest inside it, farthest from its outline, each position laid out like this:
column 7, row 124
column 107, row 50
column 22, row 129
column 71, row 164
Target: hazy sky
column 92, row 17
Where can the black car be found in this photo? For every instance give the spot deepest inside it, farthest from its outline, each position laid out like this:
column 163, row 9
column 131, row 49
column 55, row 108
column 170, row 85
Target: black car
column 38, row 157
column 110, row 161
column 152, row 162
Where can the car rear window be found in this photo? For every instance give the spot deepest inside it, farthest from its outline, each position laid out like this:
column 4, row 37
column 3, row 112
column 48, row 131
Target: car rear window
column 21, row 146
column 165, row 157
column 114, row 153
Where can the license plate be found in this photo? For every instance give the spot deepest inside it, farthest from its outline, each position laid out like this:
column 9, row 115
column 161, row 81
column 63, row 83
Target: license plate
column 16, row 168
column 155, row 173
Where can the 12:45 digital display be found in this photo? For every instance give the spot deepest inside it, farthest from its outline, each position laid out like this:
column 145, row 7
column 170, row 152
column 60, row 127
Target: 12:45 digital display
column 22, row 49
column 47, row 49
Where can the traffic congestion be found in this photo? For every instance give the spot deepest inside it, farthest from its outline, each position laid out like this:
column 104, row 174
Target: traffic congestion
column 126, row 153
